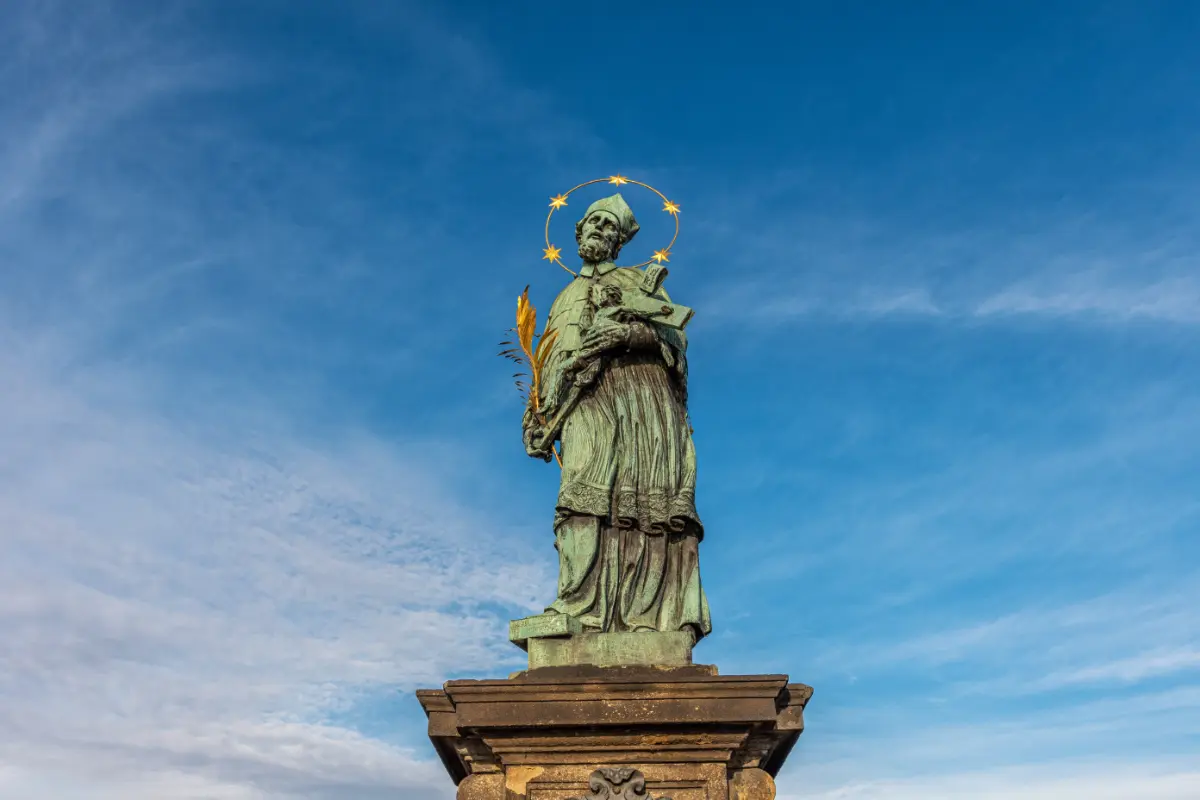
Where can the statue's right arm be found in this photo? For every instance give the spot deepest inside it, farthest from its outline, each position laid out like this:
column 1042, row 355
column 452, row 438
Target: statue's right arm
column 533, row 422
column 530, row 429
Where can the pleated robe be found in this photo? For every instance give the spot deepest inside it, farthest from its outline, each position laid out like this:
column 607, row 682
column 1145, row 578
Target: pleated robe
column 626, row 527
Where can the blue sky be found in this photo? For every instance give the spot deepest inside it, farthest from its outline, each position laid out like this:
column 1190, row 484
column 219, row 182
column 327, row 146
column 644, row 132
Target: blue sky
column 260, row 468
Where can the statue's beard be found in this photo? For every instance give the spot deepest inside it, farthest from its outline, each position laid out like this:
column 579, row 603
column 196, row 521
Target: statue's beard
column 594, row 251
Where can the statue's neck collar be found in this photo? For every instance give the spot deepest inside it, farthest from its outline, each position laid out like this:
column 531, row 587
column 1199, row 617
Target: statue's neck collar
column 603, row 268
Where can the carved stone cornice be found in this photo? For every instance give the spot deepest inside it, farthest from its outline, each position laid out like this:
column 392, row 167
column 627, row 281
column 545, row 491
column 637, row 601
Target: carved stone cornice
column 627, row 717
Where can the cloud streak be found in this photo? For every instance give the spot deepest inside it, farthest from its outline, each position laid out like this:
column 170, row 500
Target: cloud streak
column 1088, row 781
column 821, row 257
column 196, row 597
column 219, row 602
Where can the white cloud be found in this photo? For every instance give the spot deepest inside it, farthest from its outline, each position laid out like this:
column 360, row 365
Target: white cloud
column 196, row 597
column 1087, row 262
column 1172, row 301
column 1151, row 664
column 1023, row 642
column 84, row 85
column 1090, row 781
column 176, row 602
column 880, row 303
column 914, row 744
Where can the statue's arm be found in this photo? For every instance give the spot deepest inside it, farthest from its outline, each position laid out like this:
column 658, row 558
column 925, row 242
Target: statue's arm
column 535, row 419
column 672, row 343
column 632, row 327
column 627, row 329
column 671, row 339
column 531, row 436
column 642, row 336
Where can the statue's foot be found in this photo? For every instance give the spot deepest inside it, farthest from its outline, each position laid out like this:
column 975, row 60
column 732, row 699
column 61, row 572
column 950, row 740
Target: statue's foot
column 589, row 623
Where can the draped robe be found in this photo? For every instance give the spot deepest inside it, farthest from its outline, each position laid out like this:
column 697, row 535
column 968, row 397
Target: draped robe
column 626, row 527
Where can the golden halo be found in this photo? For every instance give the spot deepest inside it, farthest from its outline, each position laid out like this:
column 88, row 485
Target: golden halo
column 554, row 254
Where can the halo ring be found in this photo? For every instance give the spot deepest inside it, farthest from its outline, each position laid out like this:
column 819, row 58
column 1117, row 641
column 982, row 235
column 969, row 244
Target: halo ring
column 553, row 253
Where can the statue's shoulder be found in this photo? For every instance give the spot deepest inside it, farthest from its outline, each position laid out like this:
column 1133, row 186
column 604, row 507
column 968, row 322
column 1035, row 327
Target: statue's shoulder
column 576, row 287
column 630, row 277
column 568, row 296
column 648, row 280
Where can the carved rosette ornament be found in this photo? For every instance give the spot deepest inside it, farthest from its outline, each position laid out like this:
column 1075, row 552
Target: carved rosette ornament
column 617, row 783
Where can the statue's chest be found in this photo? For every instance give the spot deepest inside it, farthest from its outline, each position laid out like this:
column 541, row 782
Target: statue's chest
column 575, row 309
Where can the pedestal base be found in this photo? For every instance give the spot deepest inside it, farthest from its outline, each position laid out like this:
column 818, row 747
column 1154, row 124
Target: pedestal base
column 612, row 650
column 540, row 735
column 558, row 640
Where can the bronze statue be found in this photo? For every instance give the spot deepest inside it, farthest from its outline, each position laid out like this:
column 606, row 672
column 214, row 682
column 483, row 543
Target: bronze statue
column 610, row 387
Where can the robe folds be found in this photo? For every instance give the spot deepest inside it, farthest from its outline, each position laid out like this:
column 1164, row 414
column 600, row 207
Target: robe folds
column 626, row 526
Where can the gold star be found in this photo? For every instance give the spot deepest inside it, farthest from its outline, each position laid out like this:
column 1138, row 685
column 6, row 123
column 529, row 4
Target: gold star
column 558, row 202
column 661, row 255
column 617, row 180
column 671, row 208
column 551, row 253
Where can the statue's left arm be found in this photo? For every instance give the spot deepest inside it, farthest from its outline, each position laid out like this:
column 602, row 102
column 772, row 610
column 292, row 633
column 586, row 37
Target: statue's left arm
column 611, row 337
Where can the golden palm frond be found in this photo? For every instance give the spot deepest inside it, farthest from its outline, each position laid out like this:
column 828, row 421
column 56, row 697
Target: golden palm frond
column 523, row 353
column 543, row 351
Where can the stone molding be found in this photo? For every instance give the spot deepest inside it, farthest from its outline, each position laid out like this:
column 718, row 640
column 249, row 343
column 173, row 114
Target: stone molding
column 546, row 734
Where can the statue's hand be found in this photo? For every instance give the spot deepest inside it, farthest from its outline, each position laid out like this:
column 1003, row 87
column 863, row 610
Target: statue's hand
column 604, row 335
column 533, row 434
column 584, row 369
column 535, row 444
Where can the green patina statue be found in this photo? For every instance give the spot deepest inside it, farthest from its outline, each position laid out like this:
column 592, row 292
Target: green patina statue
column 613, row 395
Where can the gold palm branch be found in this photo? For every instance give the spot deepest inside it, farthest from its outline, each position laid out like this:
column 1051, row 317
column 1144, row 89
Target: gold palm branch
column 528, row 356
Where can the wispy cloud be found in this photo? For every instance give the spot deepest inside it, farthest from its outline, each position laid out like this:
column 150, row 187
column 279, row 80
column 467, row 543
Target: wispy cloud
column 1088, row 260
column 917, row 744
column 1172, row 301
column 1151, row 664
column 197, row 596
column 220, row 600
column 1019, row 595
column 1087, row 781
column 1042, row 648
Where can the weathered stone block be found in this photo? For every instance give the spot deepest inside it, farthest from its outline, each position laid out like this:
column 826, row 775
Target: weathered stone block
column 673, row 649
column 751, row 784
column 520, row 631
column 485, row 786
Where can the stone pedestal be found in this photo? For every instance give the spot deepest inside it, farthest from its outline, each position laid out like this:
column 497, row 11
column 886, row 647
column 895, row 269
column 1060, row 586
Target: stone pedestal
column 652, row 733
column 557, row 640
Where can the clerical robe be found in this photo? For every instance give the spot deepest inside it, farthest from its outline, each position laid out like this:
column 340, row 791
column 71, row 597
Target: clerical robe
column 626, row 526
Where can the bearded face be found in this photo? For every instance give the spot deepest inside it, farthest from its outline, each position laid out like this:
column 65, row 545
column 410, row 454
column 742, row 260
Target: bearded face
column 599, row 238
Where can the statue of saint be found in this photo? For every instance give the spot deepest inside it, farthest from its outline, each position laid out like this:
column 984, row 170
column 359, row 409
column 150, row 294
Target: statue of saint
column 613, row 394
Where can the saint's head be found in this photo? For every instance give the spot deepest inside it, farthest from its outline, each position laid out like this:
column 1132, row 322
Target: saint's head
column 605, row 228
